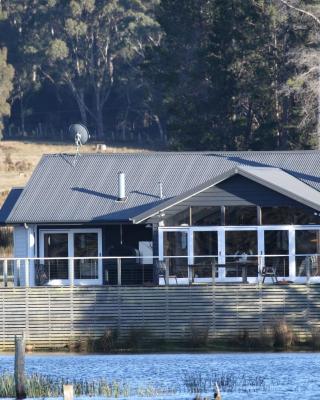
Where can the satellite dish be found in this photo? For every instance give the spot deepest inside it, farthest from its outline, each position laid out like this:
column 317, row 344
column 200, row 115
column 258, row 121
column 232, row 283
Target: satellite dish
column 80, row 134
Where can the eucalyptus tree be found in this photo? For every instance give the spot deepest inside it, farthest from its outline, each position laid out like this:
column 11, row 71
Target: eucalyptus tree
column 6, row 77
column 90, row 46
column 304, row 82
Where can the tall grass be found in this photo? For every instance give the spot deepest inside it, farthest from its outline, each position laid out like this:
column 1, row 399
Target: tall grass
column 227, row 382
column 39, row 386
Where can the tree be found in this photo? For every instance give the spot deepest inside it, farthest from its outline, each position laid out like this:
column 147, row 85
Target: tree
column 86, row 45
column 305, row 82
column 6, row 77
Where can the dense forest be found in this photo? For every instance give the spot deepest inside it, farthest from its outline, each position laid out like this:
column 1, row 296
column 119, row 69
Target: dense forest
column 186, row 74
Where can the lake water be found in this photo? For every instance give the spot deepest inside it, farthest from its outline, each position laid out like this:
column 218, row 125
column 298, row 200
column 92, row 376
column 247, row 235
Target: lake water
column 258, row 376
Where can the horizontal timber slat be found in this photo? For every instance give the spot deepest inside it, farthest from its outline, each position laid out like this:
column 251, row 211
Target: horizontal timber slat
column 54, row 316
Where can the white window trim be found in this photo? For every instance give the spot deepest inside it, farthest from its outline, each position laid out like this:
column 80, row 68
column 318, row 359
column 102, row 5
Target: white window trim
column 71, row 232
column 261, row 246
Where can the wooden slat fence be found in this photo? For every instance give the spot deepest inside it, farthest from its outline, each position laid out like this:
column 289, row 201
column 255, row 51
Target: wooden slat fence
column 52, row 317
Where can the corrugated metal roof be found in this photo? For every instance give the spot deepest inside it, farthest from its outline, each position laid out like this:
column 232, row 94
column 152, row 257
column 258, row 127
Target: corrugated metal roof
column 9, row 203
column 274, row 178
column 59, row 191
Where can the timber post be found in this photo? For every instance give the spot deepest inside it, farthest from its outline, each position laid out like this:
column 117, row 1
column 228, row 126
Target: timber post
column 19, row 362
column 67, row 392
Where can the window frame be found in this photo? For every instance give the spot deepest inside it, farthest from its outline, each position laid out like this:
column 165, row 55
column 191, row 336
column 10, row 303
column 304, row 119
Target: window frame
column 70, row 233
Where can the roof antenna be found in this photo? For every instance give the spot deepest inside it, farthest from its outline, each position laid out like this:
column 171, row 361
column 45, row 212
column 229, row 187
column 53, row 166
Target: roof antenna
column 81, row 135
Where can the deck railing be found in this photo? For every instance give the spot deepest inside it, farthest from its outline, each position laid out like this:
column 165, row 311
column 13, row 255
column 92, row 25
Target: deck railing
column 170, row 270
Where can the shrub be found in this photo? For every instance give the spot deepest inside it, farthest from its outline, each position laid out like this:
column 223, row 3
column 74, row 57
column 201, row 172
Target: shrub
column 315, row 338
column 138, row 338
column 108, row 341
column 283, row 335
column 267, row 337
column 198, row 336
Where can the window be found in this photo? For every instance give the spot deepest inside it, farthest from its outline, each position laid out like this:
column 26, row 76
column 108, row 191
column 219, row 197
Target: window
column 277, row 246
column 241, row 215
column 241, row 253
column 205, row 216
column 176, row 245
column 307, row 248
column 86, row 245
column 55, row 246
column 288, row 215
column 69, row 243
column 181, row 218
column 205, row 243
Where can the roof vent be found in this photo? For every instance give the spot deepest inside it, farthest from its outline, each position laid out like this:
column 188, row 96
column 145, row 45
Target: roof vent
column 121, row 187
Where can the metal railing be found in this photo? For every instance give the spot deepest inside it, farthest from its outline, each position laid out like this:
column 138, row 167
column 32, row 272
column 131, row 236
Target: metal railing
column 151, row 270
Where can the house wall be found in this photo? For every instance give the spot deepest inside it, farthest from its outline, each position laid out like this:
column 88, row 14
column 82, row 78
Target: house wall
column 235, row 191
column 24, row 239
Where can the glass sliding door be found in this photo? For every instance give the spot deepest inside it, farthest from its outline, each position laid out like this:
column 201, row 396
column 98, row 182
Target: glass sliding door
column 72, row 243
column 205, row 243
column 175, row 252
column 241, row 249
column 55, row 270
column 276, row 243
column 307, row 249
column 86, row 244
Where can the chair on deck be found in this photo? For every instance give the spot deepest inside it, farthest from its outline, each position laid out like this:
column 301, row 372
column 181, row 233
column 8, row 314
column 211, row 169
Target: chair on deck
column 270, row 272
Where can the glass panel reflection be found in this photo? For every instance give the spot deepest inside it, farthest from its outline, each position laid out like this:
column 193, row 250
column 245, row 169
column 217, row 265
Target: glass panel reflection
column 241, row 215
column 277, row 243
column 181, row 218
column 308, row 245
column 55, row 246
column 175, row 244
column 241, row 251
column 86, row 245
column 203, row 267
column 288, row 215
column 202, row 216
column 205, row 243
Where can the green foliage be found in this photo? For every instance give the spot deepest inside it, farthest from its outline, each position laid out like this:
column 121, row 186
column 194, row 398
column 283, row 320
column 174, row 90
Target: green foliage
column 220, row 70
column 205, row 74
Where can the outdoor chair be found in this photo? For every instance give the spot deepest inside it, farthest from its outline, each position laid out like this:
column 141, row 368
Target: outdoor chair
column 270, row 272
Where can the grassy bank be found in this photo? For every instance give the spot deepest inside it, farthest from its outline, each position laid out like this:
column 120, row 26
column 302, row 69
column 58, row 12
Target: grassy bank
column 276, row 337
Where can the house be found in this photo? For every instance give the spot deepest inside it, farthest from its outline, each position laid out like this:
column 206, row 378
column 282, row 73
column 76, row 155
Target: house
column 235, row 211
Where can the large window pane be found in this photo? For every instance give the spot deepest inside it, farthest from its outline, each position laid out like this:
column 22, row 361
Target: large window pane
column 303, row 216
column 176, row 245
column 55, row 245
column 288, row 215
column 277, row 245
column 307, row 242
column 240, row 215
column 86, row 245
column 308, row 245
column 205, row 216
column 241, row 251
column 181, row 218
column 205, row 243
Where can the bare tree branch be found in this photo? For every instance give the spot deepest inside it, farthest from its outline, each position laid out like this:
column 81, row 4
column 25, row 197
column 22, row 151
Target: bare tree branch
column 300, row 10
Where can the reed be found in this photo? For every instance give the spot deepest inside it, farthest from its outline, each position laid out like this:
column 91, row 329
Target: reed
column 227, row 382
column 40, row 386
